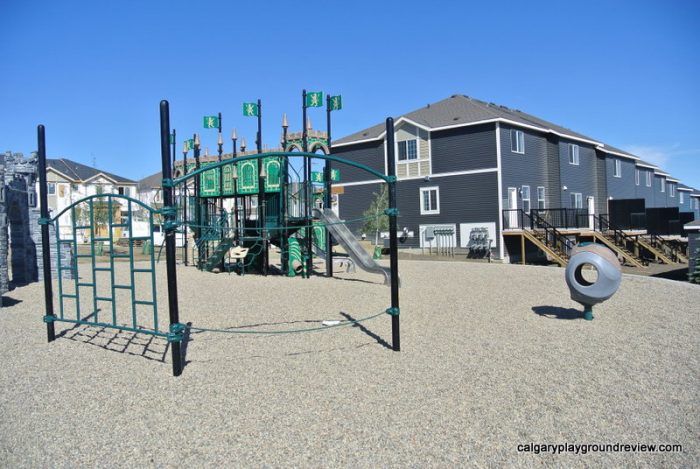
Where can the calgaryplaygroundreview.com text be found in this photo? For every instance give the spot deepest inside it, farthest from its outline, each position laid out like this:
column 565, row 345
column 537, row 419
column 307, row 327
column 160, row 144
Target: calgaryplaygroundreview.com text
column 585, row 448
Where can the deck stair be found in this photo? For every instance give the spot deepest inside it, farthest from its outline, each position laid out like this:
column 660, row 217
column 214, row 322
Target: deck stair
column 617, row 240
column 547, row 238
column 669, row 251
column 658, row 252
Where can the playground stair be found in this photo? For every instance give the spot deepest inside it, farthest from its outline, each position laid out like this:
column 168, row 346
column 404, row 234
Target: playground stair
column 539, row 239
column 612, row 242
column 215, row 258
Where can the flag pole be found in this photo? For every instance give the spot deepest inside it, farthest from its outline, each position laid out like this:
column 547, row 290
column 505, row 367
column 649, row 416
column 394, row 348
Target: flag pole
column 307, row 189
column 327, row 195
column 261, row 192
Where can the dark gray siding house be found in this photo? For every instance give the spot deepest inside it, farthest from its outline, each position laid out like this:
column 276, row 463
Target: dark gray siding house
column 461, row 162
column 659, row 190
column 693, row 230
column 684, row 200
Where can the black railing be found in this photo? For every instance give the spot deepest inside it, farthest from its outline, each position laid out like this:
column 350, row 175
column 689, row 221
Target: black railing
column 563, row 218
column 667, row 248
column 552, row 237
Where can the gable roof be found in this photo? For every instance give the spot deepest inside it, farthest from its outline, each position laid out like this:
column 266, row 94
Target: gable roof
column 80, row 173
column 154, row 181
column 461, row 110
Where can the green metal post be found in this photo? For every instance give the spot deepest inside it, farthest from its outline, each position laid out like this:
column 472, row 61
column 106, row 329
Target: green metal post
column 45, row 242
column 393, row 244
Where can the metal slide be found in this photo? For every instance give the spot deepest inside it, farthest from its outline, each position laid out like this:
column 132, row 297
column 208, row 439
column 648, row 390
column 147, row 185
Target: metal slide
column 348, row 241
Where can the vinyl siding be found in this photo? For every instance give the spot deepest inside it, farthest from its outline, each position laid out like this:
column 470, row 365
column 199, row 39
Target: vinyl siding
column 693, row 246
column 554, row 199
column 685, row 206
column 601, row 185
column 530, row 169
column 468, row 198
column 577, row 178
column 623, row 187
column 464, row 148
column 420, row 167
column 659, row 197
column 644, row 192
column 369, row 154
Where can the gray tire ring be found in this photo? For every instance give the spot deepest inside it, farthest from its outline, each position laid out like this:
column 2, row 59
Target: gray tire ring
column 609, row 278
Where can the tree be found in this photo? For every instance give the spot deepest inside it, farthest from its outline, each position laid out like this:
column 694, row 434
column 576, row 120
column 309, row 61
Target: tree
column 694, row 276
column 376, row 219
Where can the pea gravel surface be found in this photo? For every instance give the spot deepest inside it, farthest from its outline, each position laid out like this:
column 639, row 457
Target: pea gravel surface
column 493, row 358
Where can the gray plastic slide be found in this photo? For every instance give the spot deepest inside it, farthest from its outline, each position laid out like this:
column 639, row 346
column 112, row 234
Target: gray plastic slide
column 349, row 242
column 342, row 261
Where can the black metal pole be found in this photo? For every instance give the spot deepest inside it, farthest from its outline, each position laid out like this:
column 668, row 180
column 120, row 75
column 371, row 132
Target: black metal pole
column 283, row 202
column 45, row 243
column 220, row 143
column 261, row 193
column 184, row 189
column 170, row 236
column 174, row 152
column 327, row 195
column 393, row 246
column 235, row 189
column 307, row 191
column 197, row 201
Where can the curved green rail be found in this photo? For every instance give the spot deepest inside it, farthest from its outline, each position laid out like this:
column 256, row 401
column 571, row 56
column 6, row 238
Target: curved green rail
column 294, row 154
column 102, row 196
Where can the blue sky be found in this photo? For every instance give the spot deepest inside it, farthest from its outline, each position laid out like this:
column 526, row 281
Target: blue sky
column 624, row 72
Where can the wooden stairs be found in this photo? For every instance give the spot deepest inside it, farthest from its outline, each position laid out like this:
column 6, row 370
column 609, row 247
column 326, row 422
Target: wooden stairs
column 610, row 241
column 658, row 254
column 660, row 245
column 539, row 239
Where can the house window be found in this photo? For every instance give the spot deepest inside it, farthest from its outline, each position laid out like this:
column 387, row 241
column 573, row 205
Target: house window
column 540, row 198
column 408, row 150
column 662, row 182
column 573, row 154
column 671, row 189
column 618, row 168
column 576, row 200
column 680, row 197
column 517, row 141
column 52, row 188
column 636, row 176
column 648, row 173
column 525, row 195
column 429, row 200
column 32, row 198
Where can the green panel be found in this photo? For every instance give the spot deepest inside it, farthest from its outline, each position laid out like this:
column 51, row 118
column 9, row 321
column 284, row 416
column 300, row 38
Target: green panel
column 228, row 179
column 336, row 103
column 272, row 168
column 335, row 175
column 314, row 99
column 211, row 122
column 209, row 183
column 316, row 176
column 248, row 177
column 250, row 109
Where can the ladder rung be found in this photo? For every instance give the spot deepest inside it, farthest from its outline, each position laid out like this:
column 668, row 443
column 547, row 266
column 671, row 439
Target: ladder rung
column 102, row 269
column 67, row 295
column 124, row 287
column 82, row 227
column 140, row 238
column 83, row 284
column 142, row 270
column 101, row 239
column 62, row 267
column 103, row 298
column 142, row 302
column 120, row 255
column 83, row 255
column 120, row 225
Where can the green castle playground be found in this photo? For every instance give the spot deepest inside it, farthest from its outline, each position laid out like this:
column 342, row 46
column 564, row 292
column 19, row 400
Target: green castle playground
column 237, row 211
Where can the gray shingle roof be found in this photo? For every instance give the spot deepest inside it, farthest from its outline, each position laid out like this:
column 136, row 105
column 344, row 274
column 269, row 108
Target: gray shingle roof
column 154, row 181
column 80, row 172
column 460, row 109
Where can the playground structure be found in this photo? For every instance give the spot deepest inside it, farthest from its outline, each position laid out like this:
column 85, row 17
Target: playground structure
column 282, row 217
column 607, row 266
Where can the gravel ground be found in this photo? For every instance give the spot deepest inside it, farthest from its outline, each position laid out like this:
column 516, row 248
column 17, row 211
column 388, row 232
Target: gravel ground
column 493, row 356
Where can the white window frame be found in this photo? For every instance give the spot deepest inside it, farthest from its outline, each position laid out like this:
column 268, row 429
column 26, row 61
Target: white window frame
column 680, row 197
column 523, row 199
column 663, row 184
column 51, row 188
column 398, row 152
column 574, row 158
column 617, row 169
column 649, row 178
column 423, row 210
column 541, row 197
column 672, row 189
column 636, row 176
column 576, row 199
column 519, row 141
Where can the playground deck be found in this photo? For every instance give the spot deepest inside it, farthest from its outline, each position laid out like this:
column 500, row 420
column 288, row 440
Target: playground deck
column 493, row 356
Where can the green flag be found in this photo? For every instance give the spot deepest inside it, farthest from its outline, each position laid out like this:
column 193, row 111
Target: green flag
column 336, row 103
column 189, row 144
column 250, row 109
column 316, row 176
column 172, row 137
column 314, row 99
column 335, row 175
column 211, row 122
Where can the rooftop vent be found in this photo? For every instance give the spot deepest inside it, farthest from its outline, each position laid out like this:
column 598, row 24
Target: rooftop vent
column 364, row 134
column 455, row 118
